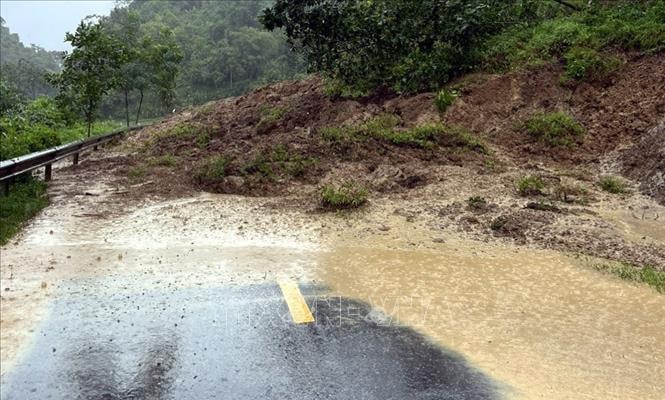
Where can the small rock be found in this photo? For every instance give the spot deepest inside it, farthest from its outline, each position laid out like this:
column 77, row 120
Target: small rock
column 44, row 285
column 438, row 240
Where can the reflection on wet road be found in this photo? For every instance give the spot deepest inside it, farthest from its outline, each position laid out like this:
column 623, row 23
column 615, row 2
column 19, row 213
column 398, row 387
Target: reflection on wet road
column 109, row 341
column 180, row 299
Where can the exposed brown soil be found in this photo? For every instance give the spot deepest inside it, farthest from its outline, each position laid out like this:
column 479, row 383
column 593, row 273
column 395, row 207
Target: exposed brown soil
column 273, row 142
column 645, row 162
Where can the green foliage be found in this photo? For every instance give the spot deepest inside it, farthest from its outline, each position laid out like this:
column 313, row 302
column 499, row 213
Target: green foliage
column 294, row 164
column 629, row 272
column 405, row 45
column 225, row 52
column 23, row 68
column 530, row 186
column 335, row 134
column 583, row 64
column 445, row 98
column 27, row 196
column 385, row 127
column 212, row 169
column 280, row 159
column 348, row 195
column 624, row 25
column 612, row 184
column 10, row 98
column 40, row 125
column 260, row 164
column 420, row 136
column 554, row 129
column 90, row 70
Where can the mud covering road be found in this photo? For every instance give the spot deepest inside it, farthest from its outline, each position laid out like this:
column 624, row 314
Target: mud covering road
column 111, row 297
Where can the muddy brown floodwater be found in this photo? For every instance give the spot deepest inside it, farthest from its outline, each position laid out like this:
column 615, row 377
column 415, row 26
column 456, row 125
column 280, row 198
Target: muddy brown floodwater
column 539, row 322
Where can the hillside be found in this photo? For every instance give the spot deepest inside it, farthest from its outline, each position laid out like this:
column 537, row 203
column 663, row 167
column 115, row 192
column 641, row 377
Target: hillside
column 225, row 50
column 472, row 167
column 23, row 67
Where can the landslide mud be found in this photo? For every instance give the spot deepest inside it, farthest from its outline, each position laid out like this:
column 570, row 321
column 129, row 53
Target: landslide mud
column 540, row 322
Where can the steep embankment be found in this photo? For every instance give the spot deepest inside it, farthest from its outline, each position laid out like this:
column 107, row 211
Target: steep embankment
column 472, row 167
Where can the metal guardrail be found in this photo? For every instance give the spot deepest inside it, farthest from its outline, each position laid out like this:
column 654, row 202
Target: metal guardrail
column 29, row 162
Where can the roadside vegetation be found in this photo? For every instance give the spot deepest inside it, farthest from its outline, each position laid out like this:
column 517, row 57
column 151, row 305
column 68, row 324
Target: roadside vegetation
column 26, row 198
column 645, row 274
column 39, row 125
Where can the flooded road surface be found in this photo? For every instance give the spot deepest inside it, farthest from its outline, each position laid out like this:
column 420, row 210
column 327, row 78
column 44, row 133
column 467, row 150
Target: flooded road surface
column 180, row 299
column 109, row 341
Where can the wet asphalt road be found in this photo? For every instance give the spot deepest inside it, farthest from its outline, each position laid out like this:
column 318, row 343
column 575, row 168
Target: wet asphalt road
column 110, row 340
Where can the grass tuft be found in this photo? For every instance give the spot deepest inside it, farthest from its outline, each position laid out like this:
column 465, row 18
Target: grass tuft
column 530, row 186
column 612, row 184
column 348, row 195
column 385, row 127
column 212, row 169
column 554, row 129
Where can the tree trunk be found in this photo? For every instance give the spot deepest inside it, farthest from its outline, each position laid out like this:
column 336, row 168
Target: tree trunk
column 127, row 106
column 138, row 112
column 89, row 115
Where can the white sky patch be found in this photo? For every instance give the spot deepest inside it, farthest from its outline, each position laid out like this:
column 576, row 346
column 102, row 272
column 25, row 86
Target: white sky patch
column 45, row 23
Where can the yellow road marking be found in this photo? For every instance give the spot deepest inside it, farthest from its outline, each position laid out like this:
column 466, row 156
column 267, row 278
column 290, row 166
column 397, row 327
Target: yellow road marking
column 297, row 306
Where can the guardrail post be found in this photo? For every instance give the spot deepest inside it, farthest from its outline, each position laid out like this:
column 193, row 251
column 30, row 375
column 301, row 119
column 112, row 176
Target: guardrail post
column 47, row 172
column 76, row 158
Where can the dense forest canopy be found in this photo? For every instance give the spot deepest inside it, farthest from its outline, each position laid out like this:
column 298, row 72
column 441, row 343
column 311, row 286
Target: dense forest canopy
column 225, row 50
column 23, row 67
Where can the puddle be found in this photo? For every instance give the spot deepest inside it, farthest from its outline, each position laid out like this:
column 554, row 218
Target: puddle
column 534, row 320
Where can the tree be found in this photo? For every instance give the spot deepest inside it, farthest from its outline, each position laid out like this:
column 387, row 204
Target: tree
column 124, row 27
column 90, row 71
column 163, row 57
column 10, row 98
column 407, row 45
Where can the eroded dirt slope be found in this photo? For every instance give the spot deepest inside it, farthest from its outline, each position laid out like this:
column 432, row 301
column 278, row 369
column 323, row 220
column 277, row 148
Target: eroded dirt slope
column 277, row 141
